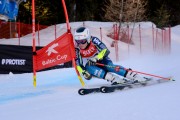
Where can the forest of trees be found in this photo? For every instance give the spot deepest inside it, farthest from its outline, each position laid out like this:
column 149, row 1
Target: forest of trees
column 162, row 12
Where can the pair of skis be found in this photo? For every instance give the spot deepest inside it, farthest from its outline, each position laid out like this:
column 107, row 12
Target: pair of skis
column 103, row 89
column 128, row 85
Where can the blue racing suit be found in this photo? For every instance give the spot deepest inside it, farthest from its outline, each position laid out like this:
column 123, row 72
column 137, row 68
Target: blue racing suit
column 96, row 48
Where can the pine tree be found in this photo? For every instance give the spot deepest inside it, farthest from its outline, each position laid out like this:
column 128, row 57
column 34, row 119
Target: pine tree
column 162, row 16
column 113, row 8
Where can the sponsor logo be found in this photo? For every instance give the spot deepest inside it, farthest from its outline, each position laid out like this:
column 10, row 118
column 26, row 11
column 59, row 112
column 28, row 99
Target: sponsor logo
column 98, row 73
column 97, row 41
column 13, row 61
column 89, row 51
column 51, row 49
column 51, row 61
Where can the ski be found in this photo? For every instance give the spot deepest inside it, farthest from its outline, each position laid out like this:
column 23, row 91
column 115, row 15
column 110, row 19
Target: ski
column 150, row 81
column 103, row 89
column 120, row 87
column 109, row 89
column 85, row 91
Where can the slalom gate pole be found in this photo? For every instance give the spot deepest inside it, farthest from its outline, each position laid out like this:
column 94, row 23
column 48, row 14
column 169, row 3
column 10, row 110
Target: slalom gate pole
column 34, row 42
column 117, row 68
column 69, row 31
column 77, row 72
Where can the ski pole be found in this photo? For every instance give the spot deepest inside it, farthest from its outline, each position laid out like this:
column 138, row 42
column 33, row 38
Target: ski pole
column 117, row 68
column 77, row 72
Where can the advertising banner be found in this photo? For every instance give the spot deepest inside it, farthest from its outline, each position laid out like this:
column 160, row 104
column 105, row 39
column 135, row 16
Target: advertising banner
column 15, row 59
column 18, row 59
column 57, row 52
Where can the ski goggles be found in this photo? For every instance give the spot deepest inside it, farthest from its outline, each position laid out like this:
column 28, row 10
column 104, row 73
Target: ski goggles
column 81, row 41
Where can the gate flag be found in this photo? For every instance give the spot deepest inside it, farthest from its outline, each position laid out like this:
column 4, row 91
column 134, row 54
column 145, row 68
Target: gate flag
column 59, row 51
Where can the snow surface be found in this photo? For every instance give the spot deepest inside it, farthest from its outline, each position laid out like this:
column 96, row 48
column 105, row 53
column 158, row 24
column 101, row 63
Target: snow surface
column 56, row 96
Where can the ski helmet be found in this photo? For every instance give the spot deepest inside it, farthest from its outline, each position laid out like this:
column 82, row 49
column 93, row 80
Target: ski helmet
column 82, row 35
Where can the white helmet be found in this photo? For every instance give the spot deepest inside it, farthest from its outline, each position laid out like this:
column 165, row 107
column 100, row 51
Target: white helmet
column 82, row 33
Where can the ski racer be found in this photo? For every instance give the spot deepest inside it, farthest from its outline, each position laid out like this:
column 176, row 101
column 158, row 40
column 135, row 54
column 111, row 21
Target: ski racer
column 90, row 51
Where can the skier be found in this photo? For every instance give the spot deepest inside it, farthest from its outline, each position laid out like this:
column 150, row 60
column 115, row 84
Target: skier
column 90, row 51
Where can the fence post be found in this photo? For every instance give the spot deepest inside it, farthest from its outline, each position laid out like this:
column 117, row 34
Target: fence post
column 38, row 35
column 19, row 31
column 55, row 30
column 169, row 39
column 140, row 38
column 128, row 38
column 116, row 50
column 101, row 33
column 156, row 40
column 116, row 32
column 153, row 37
column 166, row 40
column 162, row 35
column 10, row 29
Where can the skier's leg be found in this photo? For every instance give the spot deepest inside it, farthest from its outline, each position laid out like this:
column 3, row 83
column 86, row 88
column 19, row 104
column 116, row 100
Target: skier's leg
column 120, row 70
column 114, row 79
column 96, row 71
column 114, row 68
column 134, row 76
column 101, row 73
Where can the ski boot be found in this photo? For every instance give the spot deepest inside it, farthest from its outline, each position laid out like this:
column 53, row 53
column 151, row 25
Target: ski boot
column 135, row 77
column 114, row 79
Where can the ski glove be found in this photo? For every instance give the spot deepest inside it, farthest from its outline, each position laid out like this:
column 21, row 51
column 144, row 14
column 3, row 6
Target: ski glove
column 92, row 61
column 100, row 56
column 86, row 75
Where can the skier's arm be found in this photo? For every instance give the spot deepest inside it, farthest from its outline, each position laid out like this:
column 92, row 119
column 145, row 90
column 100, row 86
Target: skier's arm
column 104, row 52
column 80, row 66
column 85, row 73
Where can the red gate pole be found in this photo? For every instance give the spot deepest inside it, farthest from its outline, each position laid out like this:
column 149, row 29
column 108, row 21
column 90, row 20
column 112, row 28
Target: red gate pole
column 73, row 60
column 162, row 35
column 114, row 31
column 128, row 38
column 156, row 40
column 140, row 38
column 169, row 39
column 116, row 50
column 19, row 31
column 153, row 37
column 55, row 30
column 38, row 35
column 34, row 42
column 66, row 16
column 166, row 40
column 101, row 33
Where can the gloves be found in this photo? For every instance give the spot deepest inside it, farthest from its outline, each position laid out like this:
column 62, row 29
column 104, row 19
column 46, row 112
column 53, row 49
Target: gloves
column 92, row 61
column 86, row 75
column 99, row 56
